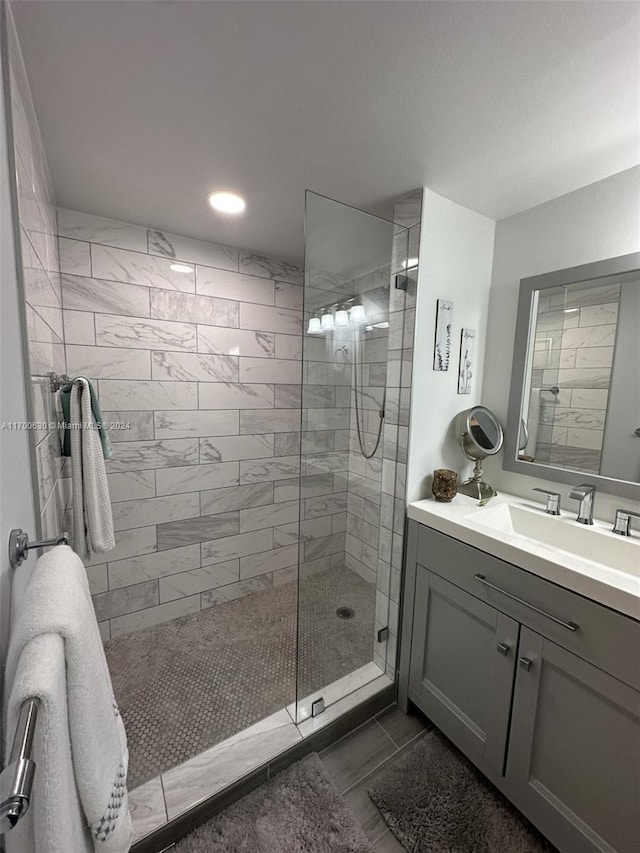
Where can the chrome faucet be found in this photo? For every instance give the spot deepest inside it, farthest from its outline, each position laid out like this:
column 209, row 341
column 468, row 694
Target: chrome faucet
column 622, row 523
column 553, row 501
column 586, row 494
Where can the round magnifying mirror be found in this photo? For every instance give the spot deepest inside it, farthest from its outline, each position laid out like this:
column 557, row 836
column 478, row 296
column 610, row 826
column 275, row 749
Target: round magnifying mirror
column 480, row 435
column 479, row 432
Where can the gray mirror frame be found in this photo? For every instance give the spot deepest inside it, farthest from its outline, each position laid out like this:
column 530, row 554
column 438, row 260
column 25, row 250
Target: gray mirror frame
column 585, row 272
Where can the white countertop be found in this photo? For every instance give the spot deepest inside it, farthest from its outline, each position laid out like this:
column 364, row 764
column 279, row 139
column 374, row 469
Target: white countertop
column 617, row 588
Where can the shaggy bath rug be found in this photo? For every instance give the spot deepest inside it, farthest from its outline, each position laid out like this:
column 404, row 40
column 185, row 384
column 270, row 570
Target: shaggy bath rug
column 435, row 801
column 298, row 811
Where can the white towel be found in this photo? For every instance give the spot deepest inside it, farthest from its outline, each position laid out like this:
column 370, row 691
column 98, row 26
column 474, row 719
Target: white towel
column 56, row 654
column 92, row 517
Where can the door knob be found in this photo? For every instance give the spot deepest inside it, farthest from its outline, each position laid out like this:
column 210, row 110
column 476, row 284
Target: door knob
column 526, row 663
column 503, row 649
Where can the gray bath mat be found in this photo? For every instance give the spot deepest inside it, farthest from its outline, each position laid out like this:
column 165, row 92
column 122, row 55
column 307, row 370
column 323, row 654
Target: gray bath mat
column 435, row 801
column 299, row 811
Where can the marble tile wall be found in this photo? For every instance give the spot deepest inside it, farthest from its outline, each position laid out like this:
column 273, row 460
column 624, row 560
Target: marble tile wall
column 201, row 368
column 42, row 292
column 574, row 342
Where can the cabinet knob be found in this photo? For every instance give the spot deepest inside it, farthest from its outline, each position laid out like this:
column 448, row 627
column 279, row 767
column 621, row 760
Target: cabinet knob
column 526, row 663
column 503, row 649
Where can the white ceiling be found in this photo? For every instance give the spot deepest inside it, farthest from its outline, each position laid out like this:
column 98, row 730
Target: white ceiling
column 147, row 106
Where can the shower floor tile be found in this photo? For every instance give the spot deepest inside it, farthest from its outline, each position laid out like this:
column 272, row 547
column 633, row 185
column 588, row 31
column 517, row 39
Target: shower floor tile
column 184, row 686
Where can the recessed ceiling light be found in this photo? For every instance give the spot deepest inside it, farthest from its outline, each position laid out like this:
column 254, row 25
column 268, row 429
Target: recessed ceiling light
column 227, row 202
column 181, row 268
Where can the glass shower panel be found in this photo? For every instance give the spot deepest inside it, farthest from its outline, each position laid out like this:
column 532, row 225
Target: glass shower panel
column 349, row 263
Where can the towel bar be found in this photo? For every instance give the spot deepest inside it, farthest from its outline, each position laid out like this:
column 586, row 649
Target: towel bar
column 16, row 780
column 19, row 545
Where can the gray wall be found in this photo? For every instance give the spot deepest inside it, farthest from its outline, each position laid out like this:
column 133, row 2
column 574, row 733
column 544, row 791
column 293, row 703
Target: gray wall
column 599, row 221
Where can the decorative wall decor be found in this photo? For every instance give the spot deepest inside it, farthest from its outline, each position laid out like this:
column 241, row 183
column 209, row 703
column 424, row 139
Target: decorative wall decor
column 442, row 347
column 465, row 371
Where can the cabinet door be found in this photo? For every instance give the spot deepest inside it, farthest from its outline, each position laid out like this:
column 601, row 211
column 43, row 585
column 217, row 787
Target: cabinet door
column 574, row 750
column 462, row 667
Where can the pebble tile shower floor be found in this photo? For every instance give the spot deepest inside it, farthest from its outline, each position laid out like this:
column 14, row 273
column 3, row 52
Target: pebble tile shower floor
column 188, row 684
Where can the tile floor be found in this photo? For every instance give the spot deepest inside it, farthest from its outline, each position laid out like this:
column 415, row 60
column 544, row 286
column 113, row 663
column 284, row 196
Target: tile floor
column 191, row 683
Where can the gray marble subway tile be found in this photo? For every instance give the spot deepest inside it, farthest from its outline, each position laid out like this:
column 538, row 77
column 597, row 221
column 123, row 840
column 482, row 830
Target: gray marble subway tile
column 138, row 426
column 583, row 377
column 232, row 547
column 194, row 478
column 118, row 602
column 598, row 315
column 268, row 267
column 257, row 471
column 98, row 229
column 154, row 615
column 75, row 257
column 269, row 561
column 108, row 362
column 231, row 448
column 233, row 591
column 112, row 330
column 319, row 396
column 190, row 308
column 593, row 357
column 197, row 529
column 144, row 567
column 339, row 522
column 128, row 544
column 288, row 396
column 178, row 424
column 254, row 422
column 324, row 505
column 325, row 463
column 79, row 328
column 214, row 501
column 313, row 528
column 260, row 517
column 80, row 293
column 320, row 484
column 587, row 439
column 235, row 342
column 318, row 441
column 245, row 288
column 147, row 808
column 193, row 251
column 589, row 399
column 289, row 295
column 286, row 490
column 124, row 394
column 285, row 534
column 582, row 418
column 97, row 577
column 264, row 318
column 138, row 268
column 270, row 370
column 141, row 455
column 326, row 418
column 577, row 297
column 224, row 395
column 130, row 485
column 42, row 287
column 286, row 443
column 589, row 336
column 146, row 511
column 323, row 545
column 320, row 373
column 186, row 366
column 199, row 580
column 289, row 346
column 313, row 567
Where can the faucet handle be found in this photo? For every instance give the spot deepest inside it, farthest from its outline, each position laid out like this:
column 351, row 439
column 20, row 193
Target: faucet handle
column 622, row 524
column 553, row 500
column 582, row 490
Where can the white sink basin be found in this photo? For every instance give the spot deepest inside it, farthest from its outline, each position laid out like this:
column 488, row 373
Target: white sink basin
column 588, row 559
column 563, row 532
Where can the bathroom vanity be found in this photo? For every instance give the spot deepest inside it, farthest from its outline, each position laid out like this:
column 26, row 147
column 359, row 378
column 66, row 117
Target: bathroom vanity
column 521, row 641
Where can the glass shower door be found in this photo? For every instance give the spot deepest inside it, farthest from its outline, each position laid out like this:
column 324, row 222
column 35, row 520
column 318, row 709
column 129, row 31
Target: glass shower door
column 351, row 259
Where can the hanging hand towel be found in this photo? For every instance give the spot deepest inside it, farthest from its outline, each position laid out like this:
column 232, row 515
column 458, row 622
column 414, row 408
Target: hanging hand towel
column 92, row 517
column 65, row 402
column 56, row 655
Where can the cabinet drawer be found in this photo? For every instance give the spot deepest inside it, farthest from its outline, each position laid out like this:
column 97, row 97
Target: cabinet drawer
column 605, row 638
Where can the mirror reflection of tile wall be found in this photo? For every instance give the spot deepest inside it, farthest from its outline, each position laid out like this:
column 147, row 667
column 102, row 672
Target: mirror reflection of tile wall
column 574, row 344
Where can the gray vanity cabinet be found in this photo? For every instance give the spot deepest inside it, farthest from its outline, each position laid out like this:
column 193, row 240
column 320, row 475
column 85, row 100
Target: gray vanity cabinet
column 462, row 666
column 549, row 712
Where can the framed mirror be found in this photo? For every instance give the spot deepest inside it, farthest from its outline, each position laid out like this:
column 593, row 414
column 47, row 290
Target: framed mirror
column 574, row 406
